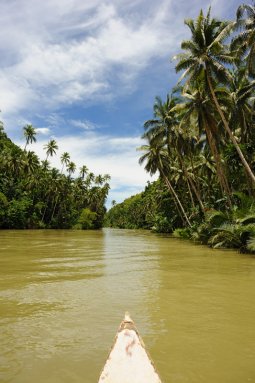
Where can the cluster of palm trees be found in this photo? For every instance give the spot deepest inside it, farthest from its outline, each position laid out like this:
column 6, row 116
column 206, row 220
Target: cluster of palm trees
column 34, row 194
column 201, row 140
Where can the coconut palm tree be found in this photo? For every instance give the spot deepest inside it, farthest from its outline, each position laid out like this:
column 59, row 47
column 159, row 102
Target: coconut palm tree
column 51, row 148
column 237, row 98
column 45, row 165
column 71, row 167
column 204, row 61
column 244, row 42
column 165, row 126
column 30, row 163
column 30, row 134
column 65, row 159
column 83, row 171
column 197, row 108
column 157, row 159
column 99, row 180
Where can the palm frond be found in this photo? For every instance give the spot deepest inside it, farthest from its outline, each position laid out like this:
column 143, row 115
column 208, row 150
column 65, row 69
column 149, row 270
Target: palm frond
column 189, row 45
column 190, row 24
column 249, row 9
column 222, row 35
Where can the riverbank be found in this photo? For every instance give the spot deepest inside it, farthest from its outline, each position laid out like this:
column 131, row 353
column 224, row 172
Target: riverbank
column 153, row 210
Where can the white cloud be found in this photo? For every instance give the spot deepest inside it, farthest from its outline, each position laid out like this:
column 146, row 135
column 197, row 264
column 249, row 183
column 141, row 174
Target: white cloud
column 44, row 131
column 101, row 46
column 58, row 53
column 85, row 124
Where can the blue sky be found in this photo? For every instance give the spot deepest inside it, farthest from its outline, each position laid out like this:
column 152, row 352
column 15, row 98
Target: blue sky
column 86, row 73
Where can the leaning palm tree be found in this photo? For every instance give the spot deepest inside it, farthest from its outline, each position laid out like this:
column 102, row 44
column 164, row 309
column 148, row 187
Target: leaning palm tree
column 164, row 126
column 29, row 133
column 244, row 42
column 238, row 98
column 157, row 159
column 198, row 108
column 204, row 61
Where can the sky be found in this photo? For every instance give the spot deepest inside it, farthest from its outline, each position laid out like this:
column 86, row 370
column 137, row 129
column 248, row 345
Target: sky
column 86, row 73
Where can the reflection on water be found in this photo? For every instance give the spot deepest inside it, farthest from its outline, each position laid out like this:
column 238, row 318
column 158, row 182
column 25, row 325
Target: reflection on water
column 63, row 294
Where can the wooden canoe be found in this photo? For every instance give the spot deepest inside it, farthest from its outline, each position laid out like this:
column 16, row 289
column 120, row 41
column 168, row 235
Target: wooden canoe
column 128, row 361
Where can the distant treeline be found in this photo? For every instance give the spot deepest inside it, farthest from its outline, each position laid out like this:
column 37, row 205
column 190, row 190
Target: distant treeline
column 35, row 195
column 201, row 141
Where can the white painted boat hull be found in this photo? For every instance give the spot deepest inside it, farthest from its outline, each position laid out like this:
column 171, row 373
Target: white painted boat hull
column 128, row 361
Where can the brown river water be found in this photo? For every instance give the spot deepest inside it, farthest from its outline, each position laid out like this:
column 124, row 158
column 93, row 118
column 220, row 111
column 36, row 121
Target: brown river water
column 64, row 293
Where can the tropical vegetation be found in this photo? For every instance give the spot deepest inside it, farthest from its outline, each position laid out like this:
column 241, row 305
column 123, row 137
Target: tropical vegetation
column 35, row 195
column 201, row 141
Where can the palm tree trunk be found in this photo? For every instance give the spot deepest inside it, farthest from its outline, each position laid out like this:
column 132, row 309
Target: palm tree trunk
column 216, row 155
column 171, row 189
column 225, row 123
column 191, row 183
column 191, row 195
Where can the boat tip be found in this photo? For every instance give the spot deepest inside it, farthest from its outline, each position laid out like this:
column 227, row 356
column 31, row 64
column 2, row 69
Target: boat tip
column 127, row 317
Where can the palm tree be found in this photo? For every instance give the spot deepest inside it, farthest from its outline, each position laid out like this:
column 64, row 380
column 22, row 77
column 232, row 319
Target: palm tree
column 51, row 148
column 157, row 159
column 165, row 125
column 46, row 165
column 89, row 179
column 205, row 62
column 65, row 159
column 71, row 167
column 106, row 177
column 29, row 133
column 83, row 171
column 30, row 163
column 238, row 100
column 199, row 109
column 99, row 180
column 244, row 43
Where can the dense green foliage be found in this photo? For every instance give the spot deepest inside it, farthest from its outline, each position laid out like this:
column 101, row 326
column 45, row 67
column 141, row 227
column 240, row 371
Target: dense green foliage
column 201, row 141
column 34, row 195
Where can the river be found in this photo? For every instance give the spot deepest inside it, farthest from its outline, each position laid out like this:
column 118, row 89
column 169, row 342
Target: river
column 64, row 293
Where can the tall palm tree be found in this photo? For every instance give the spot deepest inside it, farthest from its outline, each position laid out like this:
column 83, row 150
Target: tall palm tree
column 157, row 159
column 71, row 167
column 45, row 165
column 83, row 171
column 204, row 61
column 244, row 43
column 65, row 159
column 30, row 134
column 30, row 163
column 197, row 107
column 51, row 148
column 89, row 179
column 165, row 126
column 99, row 180
column 238, row 98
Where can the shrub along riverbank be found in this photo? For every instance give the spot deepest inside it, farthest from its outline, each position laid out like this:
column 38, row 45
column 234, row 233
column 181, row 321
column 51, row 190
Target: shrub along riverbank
column 201, row 141
column 154, row 209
